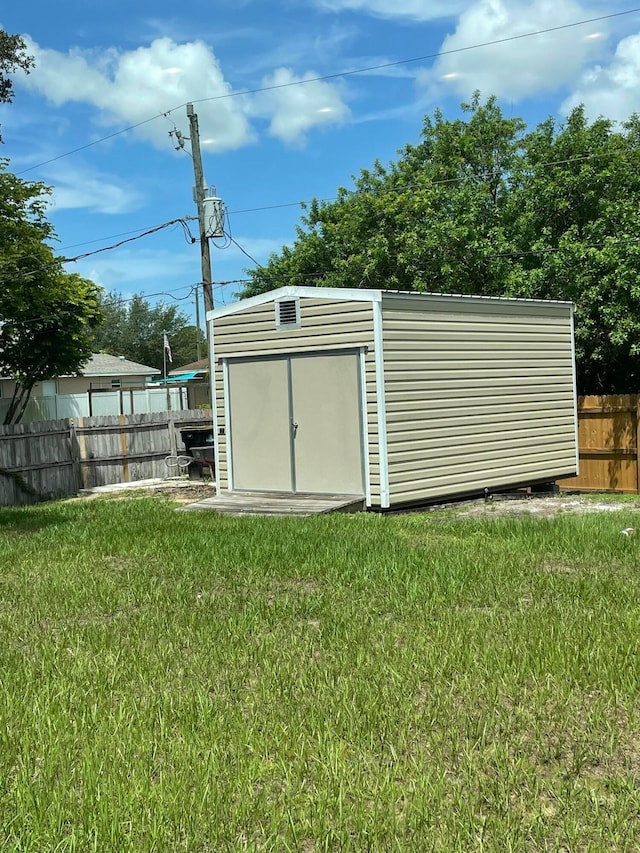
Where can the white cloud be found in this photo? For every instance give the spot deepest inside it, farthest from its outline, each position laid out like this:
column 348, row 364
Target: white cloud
column 78, row 188
column 518, row 68
column 137, row 269
column 294, row 110
column 129, row 87
column 614, row 90
column 418, row 10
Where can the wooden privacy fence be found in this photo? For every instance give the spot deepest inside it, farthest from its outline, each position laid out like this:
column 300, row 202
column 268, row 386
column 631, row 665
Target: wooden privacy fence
column 58, row 458
column 608, row 443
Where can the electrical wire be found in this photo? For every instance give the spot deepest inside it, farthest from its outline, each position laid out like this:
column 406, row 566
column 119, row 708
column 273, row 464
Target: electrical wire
column 116, row 302
column 406, row 187
column 338, row 74
column 318, row 275
column 114, row 236
column 84, row 255
column 350, row 194
column 244, row 251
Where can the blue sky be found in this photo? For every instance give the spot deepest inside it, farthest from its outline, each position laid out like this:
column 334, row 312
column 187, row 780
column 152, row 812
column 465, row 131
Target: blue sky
column 103, row 67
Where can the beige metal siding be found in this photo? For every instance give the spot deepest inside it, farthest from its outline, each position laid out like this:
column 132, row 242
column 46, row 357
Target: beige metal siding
column 325, row 324
column 479, row 393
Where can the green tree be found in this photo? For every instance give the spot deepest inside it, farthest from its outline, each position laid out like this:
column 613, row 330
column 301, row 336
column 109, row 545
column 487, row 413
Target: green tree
column 134, row 328
column 430, row 221
column 46, row 314
column 481, row 206
column 573, row 214
column 13, row 57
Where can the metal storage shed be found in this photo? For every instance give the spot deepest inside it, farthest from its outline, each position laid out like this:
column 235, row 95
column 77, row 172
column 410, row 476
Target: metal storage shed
column 398, row 397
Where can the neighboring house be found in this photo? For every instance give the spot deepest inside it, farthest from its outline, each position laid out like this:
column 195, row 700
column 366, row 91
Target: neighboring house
column 107, row 385
column 101, row 373
column 195, row 377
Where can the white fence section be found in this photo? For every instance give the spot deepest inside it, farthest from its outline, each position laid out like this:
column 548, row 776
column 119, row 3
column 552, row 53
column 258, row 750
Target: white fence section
column 101, row 403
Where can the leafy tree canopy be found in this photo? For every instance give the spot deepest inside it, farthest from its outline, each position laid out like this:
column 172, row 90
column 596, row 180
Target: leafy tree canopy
column 482, row 206
column 135, row 329
column 46, row 314
column 13, row 57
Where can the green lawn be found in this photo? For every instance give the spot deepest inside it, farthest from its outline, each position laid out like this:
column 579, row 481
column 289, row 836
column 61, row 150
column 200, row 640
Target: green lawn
column 187, row 682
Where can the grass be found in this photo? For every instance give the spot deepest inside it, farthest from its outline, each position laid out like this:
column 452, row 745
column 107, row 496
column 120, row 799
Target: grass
column 189, row 682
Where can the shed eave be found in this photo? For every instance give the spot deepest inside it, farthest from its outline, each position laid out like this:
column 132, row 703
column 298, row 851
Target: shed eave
column 344, row 294
column 467, row 297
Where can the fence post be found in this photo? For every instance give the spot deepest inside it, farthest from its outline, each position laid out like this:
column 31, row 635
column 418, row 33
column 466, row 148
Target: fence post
column 82, row 452
column 74, row 453
column 173, row 443
column 123, row 448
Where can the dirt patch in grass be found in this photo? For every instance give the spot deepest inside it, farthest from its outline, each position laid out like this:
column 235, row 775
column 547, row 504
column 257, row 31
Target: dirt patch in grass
column 183, row 494
column 546, row 506
column 177, row 491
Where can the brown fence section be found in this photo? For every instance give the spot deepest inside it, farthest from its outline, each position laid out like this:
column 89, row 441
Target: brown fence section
column 58, row 458
column 608, row 443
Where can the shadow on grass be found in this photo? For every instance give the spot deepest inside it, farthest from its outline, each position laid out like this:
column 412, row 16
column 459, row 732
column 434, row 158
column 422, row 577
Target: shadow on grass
column 24, row 520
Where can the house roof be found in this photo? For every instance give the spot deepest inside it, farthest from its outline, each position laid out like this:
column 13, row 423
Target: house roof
column 102, row 364
column 201, row 366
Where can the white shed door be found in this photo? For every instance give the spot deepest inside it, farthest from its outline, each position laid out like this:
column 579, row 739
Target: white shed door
column 259, row 421
column 327, row 409
column 296, row 424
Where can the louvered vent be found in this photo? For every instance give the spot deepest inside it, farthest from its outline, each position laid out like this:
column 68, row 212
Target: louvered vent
column 287, row 313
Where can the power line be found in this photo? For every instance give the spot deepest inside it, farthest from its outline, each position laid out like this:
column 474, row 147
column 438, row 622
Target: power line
column 117, row 302
column 322, row 78
column 244, row 251
column 291, row 276
column 121, row 234
column 406, row 187
column 351, row 193
column 57, row 261
column 356, row 192
column 318, row 275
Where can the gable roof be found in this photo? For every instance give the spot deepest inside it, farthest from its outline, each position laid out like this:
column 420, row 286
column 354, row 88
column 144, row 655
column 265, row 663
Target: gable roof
column 102, row 364
column 344, row 294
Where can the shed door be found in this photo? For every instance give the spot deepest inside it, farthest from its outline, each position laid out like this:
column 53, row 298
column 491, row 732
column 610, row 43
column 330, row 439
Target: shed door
column 328, row 437
column 260, row 431
column 296, row 424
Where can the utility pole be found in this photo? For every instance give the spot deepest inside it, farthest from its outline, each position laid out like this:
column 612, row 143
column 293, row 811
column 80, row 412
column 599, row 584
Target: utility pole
column 207, row 286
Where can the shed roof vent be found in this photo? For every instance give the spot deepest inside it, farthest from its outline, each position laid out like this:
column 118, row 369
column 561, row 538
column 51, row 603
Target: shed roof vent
column 288, row 314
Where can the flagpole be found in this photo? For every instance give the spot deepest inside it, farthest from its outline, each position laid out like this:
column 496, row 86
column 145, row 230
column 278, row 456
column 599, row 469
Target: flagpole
column 164, row 369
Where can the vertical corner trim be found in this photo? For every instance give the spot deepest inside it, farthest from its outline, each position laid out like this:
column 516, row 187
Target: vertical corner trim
column 382, row 406
column 364, row 414
column 227, row 422
column 214, row 403
column 575, row 385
